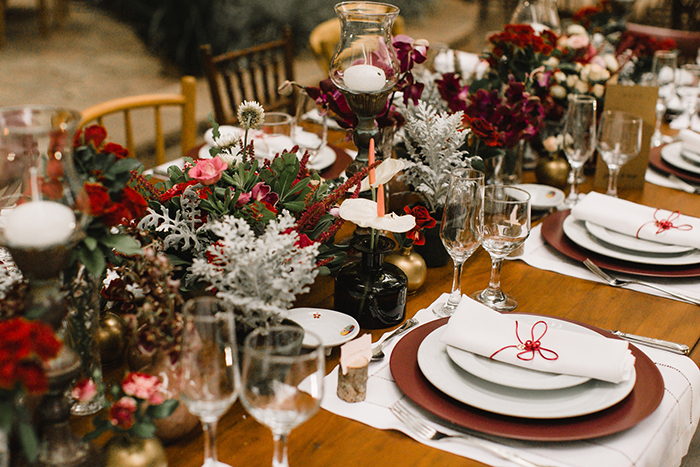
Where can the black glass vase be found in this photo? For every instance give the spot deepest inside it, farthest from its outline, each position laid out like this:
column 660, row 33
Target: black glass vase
column 370, row 290
column 433, row 250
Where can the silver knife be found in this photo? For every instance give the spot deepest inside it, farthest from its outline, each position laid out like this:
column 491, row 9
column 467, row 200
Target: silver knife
column 656, row 343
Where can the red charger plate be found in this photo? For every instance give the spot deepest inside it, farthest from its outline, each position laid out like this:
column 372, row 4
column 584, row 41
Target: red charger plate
column 657, row 163
column 639, row 404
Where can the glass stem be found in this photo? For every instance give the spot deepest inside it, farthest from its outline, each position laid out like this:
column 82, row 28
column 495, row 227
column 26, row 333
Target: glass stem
column 612, row 182
column 279, row 455
column 575, row 173
column 494, row 288
column 456, row 294
column 210, row 459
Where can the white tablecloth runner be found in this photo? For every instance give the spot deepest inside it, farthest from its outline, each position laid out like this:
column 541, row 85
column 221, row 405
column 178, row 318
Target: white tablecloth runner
column 660, row 440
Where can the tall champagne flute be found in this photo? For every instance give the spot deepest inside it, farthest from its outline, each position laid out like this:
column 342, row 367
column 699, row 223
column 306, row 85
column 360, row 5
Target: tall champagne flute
column 663, row 69
column 459, row 229
column 579, row 140
column 209, row 357
column 504, row 224
column 282, row 381
column 619, row 140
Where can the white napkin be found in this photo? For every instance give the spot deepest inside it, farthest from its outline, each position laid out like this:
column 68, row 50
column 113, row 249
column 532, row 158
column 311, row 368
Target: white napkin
column 268, row 146
column 627, row 218
column 468, row 62
column 690, row 139
column 478, row 329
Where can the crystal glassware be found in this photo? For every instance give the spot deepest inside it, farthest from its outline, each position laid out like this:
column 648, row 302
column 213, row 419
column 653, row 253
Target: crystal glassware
column 504, row 224
column 210, row 380
column 619, row 140
column 688, row 89
column 663, row 75
column 540, row 14
column 459, row 227
column 282, row 381
column 578, row 140
column 310, row 130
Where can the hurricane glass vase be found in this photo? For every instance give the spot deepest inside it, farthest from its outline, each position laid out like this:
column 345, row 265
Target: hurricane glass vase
column 371, row 290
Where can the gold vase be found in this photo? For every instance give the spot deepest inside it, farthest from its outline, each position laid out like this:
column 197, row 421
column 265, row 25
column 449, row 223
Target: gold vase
column 123, row 451
column 412, row 264
column 112, row 338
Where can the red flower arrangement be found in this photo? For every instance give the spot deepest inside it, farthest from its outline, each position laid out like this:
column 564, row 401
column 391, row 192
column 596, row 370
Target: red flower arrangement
column 415, row 236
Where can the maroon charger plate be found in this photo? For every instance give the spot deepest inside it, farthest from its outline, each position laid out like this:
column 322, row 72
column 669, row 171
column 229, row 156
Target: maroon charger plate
column 639, row 404
column 657, row 163
column 553, row 233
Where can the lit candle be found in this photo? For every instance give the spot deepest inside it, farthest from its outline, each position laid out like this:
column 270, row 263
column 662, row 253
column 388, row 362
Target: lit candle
column 39, row 224
column 372, row 174
column 364, row 78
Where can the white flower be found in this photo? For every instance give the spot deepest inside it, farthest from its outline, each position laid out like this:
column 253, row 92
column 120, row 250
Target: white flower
column 558, row 92
column 597, row 73
column 551, row 144
column 363, row 212
column 560, row 76
column 551, row 62
column 383, row 173
column 251, row 114
column 571, row 81
column 578, row 42
column 581, row 87
column 227, row 140
column 611, row 62
column 229, row 158
column 598, row 90
column 576, row 30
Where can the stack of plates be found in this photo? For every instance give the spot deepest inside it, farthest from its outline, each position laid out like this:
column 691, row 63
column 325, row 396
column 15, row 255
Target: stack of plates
column 676, row 160
column 618, row 252
column 477, row 393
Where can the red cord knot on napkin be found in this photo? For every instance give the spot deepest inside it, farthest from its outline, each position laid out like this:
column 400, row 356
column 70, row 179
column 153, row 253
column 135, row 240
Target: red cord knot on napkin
column 531, row 346
column 665, row 224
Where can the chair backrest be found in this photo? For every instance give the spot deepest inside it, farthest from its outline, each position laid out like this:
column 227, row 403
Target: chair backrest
column 251, row 74
column 687, row 42
column 126, row 106
column 324, row 39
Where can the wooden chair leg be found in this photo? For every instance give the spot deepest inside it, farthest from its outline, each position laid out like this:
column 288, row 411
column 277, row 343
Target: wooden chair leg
column 62, row 10
column 43, row 12
column 2, row 23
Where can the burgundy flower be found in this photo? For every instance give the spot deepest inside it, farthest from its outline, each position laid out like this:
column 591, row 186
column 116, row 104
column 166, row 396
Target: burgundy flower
column 451, row 90
column 409, row 51
column 118, row 150
column 121, row 414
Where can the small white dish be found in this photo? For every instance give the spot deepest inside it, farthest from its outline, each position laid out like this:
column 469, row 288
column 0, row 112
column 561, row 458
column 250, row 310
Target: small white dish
column 671, row 154
column 632, row 243
column 334, row 328
column 204, row 152
column 543, row 196
column 209, row 138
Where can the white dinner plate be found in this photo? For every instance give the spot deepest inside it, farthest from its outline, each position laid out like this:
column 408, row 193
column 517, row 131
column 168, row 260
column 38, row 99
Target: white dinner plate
column 589, row 397
column 325, row 157
column 576, row 231
column 332, row 327
column 543, row 196
column 671, row 154
column 510, row 375
column 690, row 156
column 633, row 243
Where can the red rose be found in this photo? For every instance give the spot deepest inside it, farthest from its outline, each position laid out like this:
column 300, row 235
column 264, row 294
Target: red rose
column 117, row 149
column 134, row 202
column 423, row 221
column 94, row 134
column 33, row 377
column 99, row 201
column 117, row 214
column 177, row 190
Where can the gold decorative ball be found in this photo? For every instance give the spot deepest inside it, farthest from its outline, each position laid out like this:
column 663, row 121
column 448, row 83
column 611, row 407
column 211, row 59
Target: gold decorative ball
column 552, row 171
column 412, row 264
column 112, row 338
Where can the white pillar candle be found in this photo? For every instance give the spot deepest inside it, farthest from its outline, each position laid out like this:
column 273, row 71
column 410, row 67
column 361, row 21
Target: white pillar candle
column 364, row 78
column 39, row 224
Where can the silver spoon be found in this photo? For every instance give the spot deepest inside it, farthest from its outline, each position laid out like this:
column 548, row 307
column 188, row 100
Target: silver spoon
column 377, row 352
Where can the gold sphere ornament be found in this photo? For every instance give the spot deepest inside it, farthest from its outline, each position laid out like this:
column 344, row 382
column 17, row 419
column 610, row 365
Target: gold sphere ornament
column 412, row 264
column 552, row 171
column 112, row 338
column 123, row 451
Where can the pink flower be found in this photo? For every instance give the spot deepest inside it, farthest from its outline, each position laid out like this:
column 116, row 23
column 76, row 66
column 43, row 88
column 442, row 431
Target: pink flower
column 143, row 386
column 121, row 414
column 208, row 171
column 84, row 390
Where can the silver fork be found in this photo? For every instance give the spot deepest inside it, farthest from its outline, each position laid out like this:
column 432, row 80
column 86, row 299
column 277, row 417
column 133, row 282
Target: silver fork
column 616, row 282
column 427, row 432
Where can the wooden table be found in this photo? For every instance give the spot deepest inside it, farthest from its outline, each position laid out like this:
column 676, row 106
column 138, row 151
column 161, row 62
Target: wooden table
column 330, row 440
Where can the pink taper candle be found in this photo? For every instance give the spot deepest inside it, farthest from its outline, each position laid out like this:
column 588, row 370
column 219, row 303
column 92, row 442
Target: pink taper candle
column 372, row 176
column 380, row 201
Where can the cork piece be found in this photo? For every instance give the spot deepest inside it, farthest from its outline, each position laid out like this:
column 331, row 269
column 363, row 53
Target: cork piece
column 352, row 386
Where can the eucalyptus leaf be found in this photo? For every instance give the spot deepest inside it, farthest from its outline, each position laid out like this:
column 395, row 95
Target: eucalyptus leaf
column 93, row 260
column 124, row 244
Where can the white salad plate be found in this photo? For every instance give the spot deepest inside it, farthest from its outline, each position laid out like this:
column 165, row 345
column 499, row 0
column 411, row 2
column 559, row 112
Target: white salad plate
column 332, row 327
column 671, row 154
column 633, row 243
column 509, row 375
column 543, row 196
column 691, row 156
column 586, row 398
column 576, row 231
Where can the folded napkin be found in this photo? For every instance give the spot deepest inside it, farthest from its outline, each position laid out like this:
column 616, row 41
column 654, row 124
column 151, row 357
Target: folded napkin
column 627, row 218
column 690, row 140
column 478, row 329
column 268, row 146
column 468, row 63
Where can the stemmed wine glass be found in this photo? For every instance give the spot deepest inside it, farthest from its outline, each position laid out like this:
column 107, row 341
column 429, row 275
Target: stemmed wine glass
column 282, row 381
column 688, row 89
column 210, row 379
column 619, row 140
column 504, row 224
column 663, row 70
column 579, row 140
column 459, row 229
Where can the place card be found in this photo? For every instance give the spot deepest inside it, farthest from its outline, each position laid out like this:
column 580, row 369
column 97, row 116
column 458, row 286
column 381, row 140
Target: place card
column 638, row 100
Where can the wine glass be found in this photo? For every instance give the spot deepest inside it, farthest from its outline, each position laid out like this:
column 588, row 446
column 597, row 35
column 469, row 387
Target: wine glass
column 579, row 140
column 619, row 140
column 210, row 380
column 504, row 224
column 282, row 381
column 663, row 70
column 688, row 89
column 459, row 229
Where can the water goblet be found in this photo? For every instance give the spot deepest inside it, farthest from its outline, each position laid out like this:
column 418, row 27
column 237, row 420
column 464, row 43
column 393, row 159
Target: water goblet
column 578, row 140
column 688, row 89
column 210, row 379
column 504, row 224
column 619, row 140
column 282, row 381
column 459, row 229
column 663, row 70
